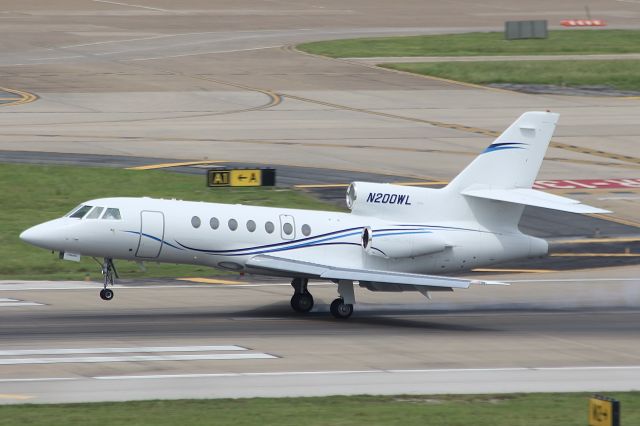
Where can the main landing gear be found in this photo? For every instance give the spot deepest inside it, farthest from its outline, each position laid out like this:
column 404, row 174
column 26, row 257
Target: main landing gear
column 302, row 300
column 108, row 272
column 341, row 308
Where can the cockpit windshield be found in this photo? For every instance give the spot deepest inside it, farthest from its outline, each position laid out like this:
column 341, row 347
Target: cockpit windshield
column 84, row 211
column 95, row 213
column 79, row 214
column 73, row 210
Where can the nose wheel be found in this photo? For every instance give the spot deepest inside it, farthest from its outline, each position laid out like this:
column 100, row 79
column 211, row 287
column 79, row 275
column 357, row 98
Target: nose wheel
column 106, row 294
column 108, row 272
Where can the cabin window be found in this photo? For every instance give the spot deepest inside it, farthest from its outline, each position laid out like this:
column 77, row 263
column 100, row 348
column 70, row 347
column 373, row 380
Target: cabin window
column 306, row 230
column 95, row 213
column 233, row 224
column 269, row 227
column 251, row 226
column 287, row 228
column 195, row 222
column 113, row 214
column 79, row 214
column 214, row 223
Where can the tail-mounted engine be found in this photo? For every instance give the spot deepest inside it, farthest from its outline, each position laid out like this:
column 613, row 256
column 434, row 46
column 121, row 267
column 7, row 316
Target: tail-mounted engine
column 410, row 242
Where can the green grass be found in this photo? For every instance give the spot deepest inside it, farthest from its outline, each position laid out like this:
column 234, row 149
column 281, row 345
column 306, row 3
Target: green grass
column 34, row 194
column 484, row 410
column 623, row 75
column 560, row 42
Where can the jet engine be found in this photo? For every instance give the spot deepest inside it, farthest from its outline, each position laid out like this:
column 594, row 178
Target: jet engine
column 408, row 243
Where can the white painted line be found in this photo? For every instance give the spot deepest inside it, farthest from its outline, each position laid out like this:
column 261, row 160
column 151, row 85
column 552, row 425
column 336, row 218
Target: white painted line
column 205, row 375
column 204, row 53
column 56, row 57
column 17, row 304
column 144, row 349
column 98, row 286
column 572, row 280
column 4, row 299
column 342, row 372
column 134, row 358
column 40, row 379
column 133, row 5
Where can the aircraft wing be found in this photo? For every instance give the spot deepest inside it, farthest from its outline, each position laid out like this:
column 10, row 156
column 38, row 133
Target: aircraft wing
column 378, row 279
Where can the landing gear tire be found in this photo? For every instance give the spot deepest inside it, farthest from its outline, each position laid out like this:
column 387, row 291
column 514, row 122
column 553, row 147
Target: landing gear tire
column 106, row 294
column 302, row 302
column 108, row 272
column 341, row 310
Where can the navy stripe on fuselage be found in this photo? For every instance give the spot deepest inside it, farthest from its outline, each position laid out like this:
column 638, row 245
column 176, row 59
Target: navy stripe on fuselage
column 504, row 145
column 153, row 238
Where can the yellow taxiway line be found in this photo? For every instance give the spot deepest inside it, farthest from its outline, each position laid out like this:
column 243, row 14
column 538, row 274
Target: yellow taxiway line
column 210, row 281
column 168, row 165
column 595, row 255
column 535, row 271
column 25, row 97
column 616, row 220
column 344, row 185
column 599, row 240
column 15, row 396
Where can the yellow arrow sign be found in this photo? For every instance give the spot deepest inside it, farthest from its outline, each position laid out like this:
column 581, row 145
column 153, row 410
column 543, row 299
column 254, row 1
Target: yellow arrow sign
column 246, row 177
column 603, row 412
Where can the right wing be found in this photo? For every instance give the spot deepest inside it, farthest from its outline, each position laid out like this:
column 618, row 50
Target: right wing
column 379, row 280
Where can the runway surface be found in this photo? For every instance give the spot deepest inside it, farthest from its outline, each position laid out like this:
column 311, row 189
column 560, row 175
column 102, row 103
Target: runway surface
column 208, row 81
column 546, row 332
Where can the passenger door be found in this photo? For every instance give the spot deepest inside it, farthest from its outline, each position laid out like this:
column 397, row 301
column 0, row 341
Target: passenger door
column 287, row 227
column 151, row 234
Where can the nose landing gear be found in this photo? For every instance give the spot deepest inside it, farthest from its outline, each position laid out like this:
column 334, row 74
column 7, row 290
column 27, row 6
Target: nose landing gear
column 302, row 300
column 108, row 272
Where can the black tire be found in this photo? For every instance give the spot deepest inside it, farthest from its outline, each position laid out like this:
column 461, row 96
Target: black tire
column 106, row 294
column 341, row 310
column 302, row 302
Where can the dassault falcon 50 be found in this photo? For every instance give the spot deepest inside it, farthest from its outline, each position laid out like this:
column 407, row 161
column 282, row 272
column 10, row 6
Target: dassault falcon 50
column 395, row 238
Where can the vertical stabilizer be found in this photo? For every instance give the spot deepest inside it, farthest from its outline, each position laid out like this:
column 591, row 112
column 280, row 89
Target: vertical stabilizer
column 514, row 158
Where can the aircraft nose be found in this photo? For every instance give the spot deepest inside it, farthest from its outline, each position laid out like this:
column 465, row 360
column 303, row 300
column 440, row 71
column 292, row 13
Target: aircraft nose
column 30, row 235
column 37, row 236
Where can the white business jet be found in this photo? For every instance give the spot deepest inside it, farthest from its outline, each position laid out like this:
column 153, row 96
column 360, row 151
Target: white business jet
column 396, row 238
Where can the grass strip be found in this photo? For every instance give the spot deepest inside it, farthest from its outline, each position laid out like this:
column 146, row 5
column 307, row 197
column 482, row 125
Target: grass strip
column 462, row 410
column 559, row 42
column 622, row 75
column 34, row 194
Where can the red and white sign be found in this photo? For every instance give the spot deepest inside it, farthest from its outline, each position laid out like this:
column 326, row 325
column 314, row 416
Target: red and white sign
column 583, row 23
column 633, row 183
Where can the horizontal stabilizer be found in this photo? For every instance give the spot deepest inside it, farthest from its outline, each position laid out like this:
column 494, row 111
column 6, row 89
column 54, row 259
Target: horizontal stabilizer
column 314, row 270
column 532, row 197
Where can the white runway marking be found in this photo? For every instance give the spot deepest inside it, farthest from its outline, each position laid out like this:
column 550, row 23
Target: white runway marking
column 204, row 53
column 133, row 5
column 133, row 358
column 341, row 372
column 149, row 349
column 324, row 383
column 81, row 285
column 156, row 353
column 9, row 303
